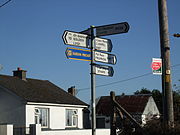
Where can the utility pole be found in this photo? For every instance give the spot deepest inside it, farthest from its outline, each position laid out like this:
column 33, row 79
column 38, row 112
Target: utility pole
column 168, row 112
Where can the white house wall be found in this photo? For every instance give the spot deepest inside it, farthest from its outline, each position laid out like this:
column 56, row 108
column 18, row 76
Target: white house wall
column 57, row 119
column 12, row 109
column 151, row 107
column 57, row 116
column 149, row 111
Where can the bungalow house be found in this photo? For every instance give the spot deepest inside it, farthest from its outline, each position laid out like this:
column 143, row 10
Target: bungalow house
column 141, row 107
column 25, row 101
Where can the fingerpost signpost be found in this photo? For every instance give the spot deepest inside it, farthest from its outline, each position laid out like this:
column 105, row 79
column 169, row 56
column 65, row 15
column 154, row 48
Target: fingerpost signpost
column 97, row 49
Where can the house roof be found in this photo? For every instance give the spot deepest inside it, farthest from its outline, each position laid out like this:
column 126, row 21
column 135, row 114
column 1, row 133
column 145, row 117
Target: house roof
column 39, row 91
column 131, row 103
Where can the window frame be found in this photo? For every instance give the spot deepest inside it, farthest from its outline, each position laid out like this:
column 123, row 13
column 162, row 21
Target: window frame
column 39, row 115
column 72, row 117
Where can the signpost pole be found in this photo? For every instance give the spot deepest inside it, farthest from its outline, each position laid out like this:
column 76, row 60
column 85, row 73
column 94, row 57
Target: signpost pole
column 93, row 95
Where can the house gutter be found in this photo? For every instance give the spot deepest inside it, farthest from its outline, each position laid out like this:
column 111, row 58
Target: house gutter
column 59, row 105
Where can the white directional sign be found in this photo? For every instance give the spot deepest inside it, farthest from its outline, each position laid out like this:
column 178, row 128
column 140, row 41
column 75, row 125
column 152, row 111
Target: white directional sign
column 103, row 70
column 105, row 58
column 76, row 39
column 112, row 29
column 103, row 44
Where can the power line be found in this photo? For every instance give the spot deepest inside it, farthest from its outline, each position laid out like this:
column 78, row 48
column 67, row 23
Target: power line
column 175, row 65
column 120, row 81
column 5, row 3
column 115, row 82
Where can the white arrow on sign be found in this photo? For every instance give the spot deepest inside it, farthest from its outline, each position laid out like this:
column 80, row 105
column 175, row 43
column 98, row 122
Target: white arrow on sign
column 105, row 58
column 112, row 29
column 103, row 44
column 103, row 70
column 75, row 39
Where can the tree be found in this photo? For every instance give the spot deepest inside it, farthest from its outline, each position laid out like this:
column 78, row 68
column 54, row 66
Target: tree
column 142, row 91
column 176, row 101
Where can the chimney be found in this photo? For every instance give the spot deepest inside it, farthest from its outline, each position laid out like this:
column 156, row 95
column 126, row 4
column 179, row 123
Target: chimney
column 20, row 73
column 72, row 91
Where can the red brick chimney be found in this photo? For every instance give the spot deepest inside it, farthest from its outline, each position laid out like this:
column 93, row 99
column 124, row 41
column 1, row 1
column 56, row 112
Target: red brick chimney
column 20, row 73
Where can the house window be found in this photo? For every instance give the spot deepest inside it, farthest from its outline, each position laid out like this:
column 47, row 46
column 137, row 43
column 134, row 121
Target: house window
column 71, row 118
column 42, row 117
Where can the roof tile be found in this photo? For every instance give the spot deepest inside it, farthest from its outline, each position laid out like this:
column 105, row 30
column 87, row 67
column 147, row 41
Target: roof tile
column 41, row 91
column 131, row 103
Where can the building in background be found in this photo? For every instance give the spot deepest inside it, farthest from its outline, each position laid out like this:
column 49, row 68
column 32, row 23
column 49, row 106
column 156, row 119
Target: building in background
column 141, row 107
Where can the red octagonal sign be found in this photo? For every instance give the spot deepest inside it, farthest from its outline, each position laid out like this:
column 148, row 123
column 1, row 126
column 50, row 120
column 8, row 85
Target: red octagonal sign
column 156, row 65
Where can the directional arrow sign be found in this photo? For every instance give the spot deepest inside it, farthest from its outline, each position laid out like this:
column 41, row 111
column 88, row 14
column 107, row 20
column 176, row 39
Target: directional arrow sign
column 103, row 44
column 78, row 54
column 103, row 70
column 112, row 29
column 105, row 58
column 75, row 38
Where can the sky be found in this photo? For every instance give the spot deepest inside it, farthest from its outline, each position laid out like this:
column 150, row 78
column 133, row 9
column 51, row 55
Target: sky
column 31, row 38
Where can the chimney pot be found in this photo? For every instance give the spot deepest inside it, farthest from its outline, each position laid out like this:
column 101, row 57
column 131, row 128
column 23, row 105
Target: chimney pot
column 19, row 69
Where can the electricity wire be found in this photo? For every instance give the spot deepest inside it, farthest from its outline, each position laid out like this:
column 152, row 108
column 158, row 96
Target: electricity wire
column 5, row 3
column 120, row 81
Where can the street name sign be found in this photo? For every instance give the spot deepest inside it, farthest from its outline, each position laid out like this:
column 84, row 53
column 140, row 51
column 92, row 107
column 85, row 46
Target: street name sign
column 103, row 70
column 105, row 58
column 112, row 29
column 75, row 39
column 156, row 66
column 78, row 54
column 103, row 44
